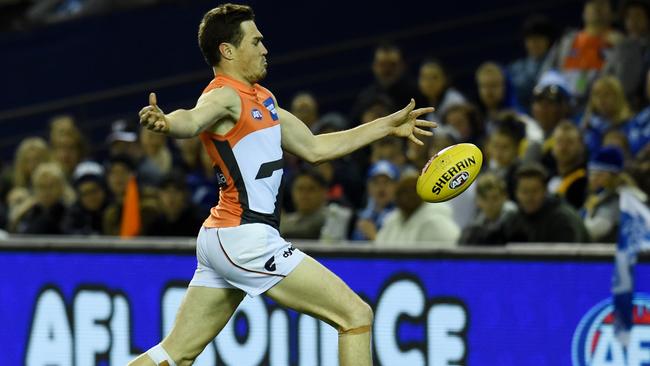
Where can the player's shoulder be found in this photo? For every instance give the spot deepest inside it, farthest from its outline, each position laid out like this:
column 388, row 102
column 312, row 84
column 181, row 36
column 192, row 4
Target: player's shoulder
column 224, row 95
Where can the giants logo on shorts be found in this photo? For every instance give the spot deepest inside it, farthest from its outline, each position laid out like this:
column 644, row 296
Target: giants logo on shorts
column 594, row 341
column 256, row 114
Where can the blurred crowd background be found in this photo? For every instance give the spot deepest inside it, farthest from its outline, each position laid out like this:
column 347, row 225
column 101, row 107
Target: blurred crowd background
column 564, row 124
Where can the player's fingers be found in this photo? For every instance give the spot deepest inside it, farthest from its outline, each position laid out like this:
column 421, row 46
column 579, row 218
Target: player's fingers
column 415, row 140
column 152, row 99
column 425, row 123
column 422, row 132
column 144, row 110
column 420, row 111
column 409, row 107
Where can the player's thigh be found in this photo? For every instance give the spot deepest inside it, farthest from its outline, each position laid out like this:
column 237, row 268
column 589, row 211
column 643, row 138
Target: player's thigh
column 313, row 289
column 203, row 313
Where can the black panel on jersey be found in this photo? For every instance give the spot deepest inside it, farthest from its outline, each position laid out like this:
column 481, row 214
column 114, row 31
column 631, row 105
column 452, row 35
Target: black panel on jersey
column 267, row 169
column 248, row 216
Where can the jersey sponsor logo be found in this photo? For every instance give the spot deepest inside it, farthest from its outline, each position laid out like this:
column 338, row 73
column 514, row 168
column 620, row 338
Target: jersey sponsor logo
column 270, row 265
column 270, row 105
column 287, row 253
column 595, row 343
column 257, row 114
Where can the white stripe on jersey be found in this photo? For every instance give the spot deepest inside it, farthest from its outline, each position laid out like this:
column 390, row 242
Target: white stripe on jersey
column 253, row 150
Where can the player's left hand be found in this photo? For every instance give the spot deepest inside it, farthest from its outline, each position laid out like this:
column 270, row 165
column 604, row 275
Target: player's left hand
column 152, row 117
column 405, row 122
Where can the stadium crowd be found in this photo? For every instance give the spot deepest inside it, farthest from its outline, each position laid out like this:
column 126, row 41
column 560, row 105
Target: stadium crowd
column 563, row 129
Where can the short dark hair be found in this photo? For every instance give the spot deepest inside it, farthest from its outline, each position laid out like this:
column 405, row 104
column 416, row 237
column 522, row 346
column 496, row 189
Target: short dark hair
column 313, row 174
column 219, row 25
column 509, row 123
column 532, row 170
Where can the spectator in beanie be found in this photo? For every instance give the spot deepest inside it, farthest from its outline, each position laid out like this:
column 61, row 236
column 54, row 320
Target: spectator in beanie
column 382, row 181
column 85, row 216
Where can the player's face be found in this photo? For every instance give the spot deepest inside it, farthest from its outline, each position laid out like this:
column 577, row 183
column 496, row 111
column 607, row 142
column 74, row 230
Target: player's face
column 251, row 53
column 530, row 194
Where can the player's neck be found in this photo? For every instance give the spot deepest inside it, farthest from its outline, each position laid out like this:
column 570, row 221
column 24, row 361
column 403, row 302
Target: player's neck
column 224, row 71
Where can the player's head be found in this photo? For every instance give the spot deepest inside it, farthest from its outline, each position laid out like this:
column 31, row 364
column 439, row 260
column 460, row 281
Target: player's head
column 229, row 38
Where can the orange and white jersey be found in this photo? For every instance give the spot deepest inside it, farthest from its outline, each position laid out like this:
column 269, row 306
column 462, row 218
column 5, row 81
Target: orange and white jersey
column 248, row 160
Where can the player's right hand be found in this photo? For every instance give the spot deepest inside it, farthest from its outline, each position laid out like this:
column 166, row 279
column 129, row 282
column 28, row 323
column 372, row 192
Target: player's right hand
column 152, row 117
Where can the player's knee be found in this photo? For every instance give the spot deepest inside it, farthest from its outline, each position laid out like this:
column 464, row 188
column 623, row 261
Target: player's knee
column 359, row 318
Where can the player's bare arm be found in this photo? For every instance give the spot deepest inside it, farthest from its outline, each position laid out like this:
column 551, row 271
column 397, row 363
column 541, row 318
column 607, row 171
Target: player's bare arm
column 298, row 139
column 218, row 105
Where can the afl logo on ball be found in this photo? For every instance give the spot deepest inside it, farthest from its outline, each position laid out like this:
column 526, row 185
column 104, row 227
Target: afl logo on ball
column 458, row 180
column 256, row 114
column 595, row 343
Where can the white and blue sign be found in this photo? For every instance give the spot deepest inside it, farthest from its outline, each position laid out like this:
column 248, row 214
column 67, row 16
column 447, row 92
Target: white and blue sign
column 89, row 307
column 256, row 114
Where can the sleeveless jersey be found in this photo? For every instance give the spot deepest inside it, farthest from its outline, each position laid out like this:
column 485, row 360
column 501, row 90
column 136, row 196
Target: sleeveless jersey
column 247, row 159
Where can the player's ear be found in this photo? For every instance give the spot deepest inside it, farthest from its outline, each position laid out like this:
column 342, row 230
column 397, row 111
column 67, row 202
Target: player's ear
column 226, row 50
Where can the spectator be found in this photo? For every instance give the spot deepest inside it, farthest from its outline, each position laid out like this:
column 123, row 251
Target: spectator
column 313, row 218
column 31, row 152
column 85, row 216
column 200, row 174
column 550, row 105
column 123, row 141
column 630, row 58
column 640, row 169
column 48, row 209
column 495, row 209
column 580, row 55
column 389, row 148
column 19, row 201
column 466, row 120
column 601, row 209
column 436, row 87
column 154, row 146
column 503, row 150
column 638, row 133
column 305, row 107
column 68, row 144
column 391, row 80
column 542, row 218
column 493, row 90
column 570, row 182
column 608, row 109
column 382, row 180
column 344, row 181
column 179, row 217
column 416, row 222
column 539, row 36
column 119, row 171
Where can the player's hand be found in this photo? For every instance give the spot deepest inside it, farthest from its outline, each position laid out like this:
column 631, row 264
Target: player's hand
column 405, row 122
column 152, row 117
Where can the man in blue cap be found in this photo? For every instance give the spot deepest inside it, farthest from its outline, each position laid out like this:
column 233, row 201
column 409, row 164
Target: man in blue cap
column 382, row 180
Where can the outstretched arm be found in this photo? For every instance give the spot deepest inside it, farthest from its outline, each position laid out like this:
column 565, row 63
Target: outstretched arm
column 298, row 139
column 211, row 108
